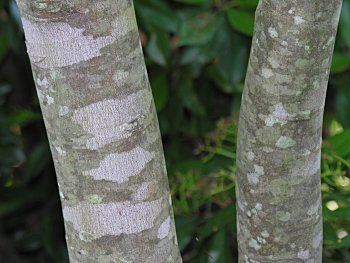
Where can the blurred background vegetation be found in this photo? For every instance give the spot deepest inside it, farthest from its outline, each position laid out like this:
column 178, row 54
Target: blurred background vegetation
column 196, row 53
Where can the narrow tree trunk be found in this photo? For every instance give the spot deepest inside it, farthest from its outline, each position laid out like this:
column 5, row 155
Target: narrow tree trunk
column 103, row 130
column 278, row 163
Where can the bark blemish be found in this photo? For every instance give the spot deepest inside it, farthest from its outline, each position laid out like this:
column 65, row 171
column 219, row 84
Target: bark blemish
column 298, row 20
column 49, row 100
column 273, row 33
column 60, row 151
column 119, row 167
column 254, row 244
column 123, row 115
column 280, row 115
column 63, row 110
column 164, row 229
column 131, row 218
column 285, row 142
column 303, row 254
column 85, row 236
column 258, row 206
column 317, row 240
column 52, row 45
column 250, row 156
column 93, row 199
column 120, row 76
column 284, row 216
column 146, row 190
column 254, row 177
column 42, row 82
column 265, row 234
column 267, row 73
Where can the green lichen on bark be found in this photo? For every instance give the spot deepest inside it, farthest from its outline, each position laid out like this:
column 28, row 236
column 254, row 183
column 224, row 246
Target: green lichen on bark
column 279, row 208
column 102, row 126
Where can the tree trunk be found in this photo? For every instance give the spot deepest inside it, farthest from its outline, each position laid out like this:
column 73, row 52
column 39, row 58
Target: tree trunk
column 103, row 130
column 279, row 143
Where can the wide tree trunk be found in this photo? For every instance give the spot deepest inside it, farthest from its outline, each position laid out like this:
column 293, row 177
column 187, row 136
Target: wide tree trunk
column 103, row 130
column 280, row 127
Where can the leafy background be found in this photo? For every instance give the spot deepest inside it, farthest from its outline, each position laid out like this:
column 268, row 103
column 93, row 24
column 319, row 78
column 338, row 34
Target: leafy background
column 196, row 53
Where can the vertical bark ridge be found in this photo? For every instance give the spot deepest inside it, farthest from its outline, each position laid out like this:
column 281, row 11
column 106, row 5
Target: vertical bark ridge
column 103, row 130
column 279, row 208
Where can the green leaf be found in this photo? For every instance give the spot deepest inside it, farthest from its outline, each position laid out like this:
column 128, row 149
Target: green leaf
column 219, row 251
column 340, row 213
column 158, row 48
column 28, row 241
column 344, row 243
column 340, row 143
column 23, row 117
column 248, row 3
column 185, row 229
column 340, row 63
column 189, row 96
column 329, row 234
column 241, row 20
column 160, row 91
column 11, row 206
column 343, row 106
column 156, row 14
column 231, row 54
column 193, row 2
column 216, row 77
column 37, row 160
column 218, row 222
column 344, row 23
column 3, row 45
column 197, row 29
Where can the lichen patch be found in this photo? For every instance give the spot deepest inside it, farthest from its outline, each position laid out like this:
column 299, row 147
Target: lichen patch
column 107, row 120
column 164, row 228
column 298, row 20
column 273, row 33
column 119, row 167
column 266, row 73
column 303, row 254
column 285, row 142
column 254, row 177
column 280, row 115
column 112, row 218
column 254, row 244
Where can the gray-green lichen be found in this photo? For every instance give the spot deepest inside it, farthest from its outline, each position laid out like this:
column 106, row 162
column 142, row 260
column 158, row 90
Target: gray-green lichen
column 279, row 215
column 285, row 142
column 102, row 126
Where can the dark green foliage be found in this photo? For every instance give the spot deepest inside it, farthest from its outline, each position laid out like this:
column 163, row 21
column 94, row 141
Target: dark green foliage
column 196, row 53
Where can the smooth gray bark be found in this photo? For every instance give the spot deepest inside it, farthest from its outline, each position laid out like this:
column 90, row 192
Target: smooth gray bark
column 102, row 125
column 279, row 208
